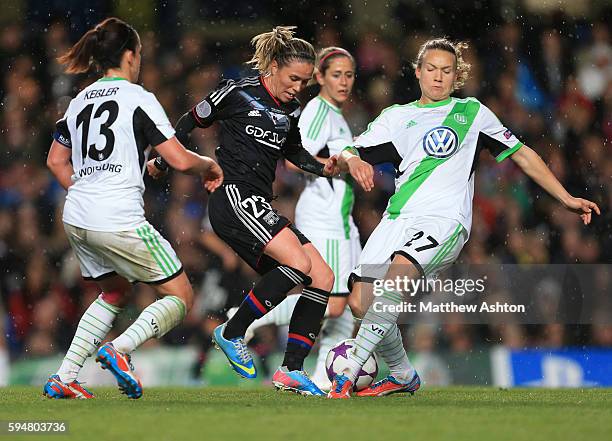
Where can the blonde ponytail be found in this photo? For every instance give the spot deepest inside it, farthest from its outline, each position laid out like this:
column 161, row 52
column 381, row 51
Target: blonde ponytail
column 282, row 46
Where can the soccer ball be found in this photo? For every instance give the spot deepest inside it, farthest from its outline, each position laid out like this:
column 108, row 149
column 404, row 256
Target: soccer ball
column 337, row 360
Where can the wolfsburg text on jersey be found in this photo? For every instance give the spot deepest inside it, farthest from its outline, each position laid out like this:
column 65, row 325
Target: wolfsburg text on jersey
column 86, row 171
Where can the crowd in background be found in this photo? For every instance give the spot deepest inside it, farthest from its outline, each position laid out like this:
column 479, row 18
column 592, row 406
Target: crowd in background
column 548, row 78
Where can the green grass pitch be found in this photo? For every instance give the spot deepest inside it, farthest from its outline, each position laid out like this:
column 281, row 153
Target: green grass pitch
column 457, row 413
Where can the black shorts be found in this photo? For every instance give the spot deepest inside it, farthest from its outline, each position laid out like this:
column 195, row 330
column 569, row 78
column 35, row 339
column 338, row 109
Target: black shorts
column 247, row 222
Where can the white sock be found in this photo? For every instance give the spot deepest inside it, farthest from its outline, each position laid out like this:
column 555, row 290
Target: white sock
column 373, row 329
column 391, row 349
column 154, row 321
column 333, row 331
column 93, row 328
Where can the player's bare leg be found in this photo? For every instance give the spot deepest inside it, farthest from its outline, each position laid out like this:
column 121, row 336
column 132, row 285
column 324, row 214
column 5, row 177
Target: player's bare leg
column 272, row 288
column 305, row 325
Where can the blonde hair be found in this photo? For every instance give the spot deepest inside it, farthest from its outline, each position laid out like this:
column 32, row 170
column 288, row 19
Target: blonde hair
column 456, row 48
column 282, row 46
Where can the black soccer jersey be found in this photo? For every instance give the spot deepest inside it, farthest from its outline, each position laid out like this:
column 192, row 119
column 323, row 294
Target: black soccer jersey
column 257, row 131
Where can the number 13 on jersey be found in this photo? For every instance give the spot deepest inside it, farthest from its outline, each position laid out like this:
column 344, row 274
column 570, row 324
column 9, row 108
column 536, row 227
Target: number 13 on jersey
column 108, row 110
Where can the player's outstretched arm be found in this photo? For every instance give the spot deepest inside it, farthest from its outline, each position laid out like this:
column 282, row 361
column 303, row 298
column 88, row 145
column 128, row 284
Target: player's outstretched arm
column 188, row 162
column 291, row 166
column 361, row 171
column 303, row 160
column 534, row 167
column 58, row 161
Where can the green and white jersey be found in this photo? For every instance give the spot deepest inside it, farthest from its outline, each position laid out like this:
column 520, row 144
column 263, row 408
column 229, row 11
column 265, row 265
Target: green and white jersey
column 110, row 126
column 435, row 148
column 324, row 207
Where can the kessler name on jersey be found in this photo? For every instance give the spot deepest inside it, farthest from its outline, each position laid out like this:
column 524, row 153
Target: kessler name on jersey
column 100, row 93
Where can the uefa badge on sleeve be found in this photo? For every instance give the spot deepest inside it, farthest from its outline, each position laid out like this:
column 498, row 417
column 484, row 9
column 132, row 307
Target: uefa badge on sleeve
column 271, row 218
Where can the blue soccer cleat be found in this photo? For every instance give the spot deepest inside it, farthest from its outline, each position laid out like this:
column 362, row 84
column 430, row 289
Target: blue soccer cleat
column 236, row 352
column 295, row 381
column 56, row 388
column 120, row 365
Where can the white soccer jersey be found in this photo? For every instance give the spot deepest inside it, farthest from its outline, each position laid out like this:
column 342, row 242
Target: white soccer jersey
column 110, row 127
column 325, row 206
column 438, row 146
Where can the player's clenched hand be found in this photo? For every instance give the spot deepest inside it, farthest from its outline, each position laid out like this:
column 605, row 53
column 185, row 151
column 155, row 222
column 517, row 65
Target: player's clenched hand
column 213, row 177
column 362, row 172
column 583, row 207
column 153, row 171
column 331, row 167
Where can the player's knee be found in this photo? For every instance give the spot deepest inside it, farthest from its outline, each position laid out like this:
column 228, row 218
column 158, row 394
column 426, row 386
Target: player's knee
column 328, row 278
column 187, row 298
column 357, row 307
column 301, row 262
column 114, row 298
column 180, row 288
column 323, row 277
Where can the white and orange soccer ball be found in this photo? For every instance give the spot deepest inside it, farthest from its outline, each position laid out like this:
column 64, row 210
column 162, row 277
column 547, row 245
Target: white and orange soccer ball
column 337, row 360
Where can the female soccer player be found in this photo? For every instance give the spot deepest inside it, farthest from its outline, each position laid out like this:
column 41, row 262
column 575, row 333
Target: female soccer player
column 98, row 155
column 258, row 117
column 434, row 144
column 331, row 230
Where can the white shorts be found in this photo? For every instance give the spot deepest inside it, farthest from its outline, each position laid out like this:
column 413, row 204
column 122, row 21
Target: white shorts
column 430, row 243
column 140, row 255
column 341, row 255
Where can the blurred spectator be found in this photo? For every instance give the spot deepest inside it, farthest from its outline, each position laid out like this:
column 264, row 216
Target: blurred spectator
column 595, row 63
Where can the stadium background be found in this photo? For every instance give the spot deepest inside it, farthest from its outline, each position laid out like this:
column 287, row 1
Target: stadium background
column 545, row 68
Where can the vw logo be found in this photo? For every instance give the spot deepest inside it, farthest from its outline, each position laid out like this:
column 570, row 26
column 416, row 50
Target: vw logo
column 440, row 142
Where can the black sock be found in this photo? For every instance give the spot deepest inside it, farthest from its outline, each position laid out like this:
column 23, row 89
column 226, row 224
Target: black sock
column 305, row 326
column 265, row 295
